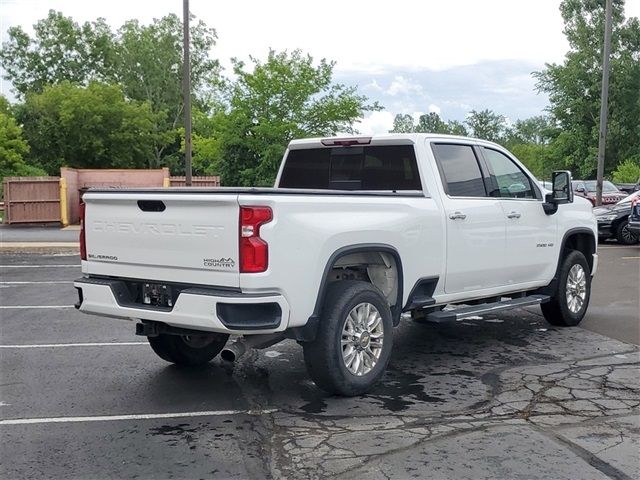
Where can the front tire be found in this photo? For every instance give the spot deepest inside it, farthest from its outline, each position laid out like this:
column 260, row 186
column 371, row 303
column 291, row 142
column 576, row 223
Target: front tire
column 354, row 339
column 188, row 350
column 568, row 304
column 624, row 235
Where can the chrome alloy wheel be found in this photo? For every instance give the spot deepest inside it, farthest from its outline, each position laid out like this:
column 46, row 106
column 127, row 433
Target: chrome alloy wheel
column 362, row 339
column 576, row 290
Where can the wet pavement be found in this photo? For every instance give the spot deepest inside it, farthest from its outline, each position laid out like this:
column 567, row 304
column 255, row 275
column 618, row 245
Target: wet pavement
column 505, row 396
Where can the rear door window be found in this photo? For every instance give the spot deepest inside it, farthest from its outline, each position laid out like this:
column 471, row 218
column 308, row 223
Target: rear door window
column 459, row 170
column 386, row 168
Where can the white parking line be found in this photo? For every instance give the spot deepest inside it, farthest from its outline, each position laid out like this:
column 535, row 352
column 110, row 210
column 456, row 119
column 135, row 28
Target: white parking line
column 40, row 266
column 9, row 307
column 151, row 416
column 60, row 345
column 36, row 283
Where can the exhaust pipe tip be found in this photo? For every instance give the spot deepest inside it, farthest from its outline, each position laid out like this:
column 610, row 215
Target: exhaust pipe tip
column 233, row 352
column 228, row 355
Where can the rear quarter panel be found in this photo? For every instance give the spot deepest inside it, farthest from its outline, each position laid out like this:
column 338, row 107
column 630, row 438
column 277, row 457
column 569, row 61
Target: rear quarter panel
column 307, row 230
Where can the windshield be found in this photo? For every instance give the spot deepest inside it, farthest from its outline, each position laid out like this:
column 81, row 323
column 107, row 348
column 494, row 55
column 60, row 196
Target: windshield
column 607, row 187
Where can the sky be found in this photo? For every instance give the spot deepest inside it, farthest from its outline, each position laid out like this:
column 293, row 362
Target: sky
column 412, row 57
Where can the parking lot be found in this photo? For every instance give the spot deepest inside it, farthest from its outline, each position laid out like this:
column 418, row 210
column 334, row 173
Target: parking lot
column 505, row 396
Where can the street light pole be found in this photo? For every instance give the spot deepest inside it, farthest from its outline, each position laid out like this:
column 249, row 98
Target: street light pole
column 604, row 99
column 186, row 93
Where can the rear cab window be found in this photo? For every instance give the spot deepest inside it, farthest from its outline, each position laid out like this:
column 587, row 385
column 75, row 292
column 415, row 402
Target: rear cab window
column 367, row 168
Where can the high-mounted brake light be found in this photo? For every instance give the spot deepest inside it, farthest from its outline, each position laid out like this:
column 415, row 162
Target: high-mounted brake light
column 83, row 241
column 254, row 251
column 345, row 142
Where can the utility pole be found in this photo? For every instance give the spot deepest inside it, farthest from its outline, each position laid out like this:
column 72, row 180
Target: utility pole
column 604, row 99
column 186, row 93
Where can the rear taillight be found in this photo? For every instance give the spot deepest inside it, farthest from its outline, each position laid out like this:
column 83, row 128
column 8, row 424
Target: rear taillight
column 254, row 251
column 83, row 242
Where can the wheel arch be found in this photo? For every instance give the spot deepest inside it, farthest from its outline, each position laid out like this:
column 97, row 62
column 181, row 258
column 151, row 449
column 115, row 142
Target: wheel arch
column 581, row 239
column 308, row 331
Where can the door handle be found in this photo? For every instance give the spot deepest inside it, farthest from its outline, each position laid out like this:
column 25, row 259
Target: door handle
column 457, row 216
column 514, row 215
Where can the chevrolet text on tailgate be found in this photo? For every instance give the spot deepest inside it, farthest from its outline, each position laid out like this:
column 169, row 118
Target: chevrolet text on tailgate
column 356, row 231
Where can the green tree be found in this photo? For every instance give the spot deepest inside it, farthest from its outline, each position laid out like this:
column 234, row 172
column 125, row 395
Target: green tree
column 207, row 142
column 574, row 87
column 146, row 60
column 431, row 123
column 5, row 106
column 285, row 97
column 87, row 127
column 427, row 123
column 149, row 67
column 60, row 50
column 13, row 149
column 457, row 128
column 628, row 171
column 403, row 123
column 538, row 130
column 487, row 125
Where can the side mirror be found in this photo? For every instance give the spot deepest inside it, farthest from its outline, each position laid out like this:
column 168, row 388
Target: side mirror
column 580, row 189
column 561, row 192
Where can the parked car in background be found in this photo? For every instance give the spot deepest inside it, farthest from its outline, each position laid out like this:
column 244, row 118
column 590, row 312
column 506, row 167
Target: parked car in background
column 587, row 189
column 613, row 220
column 634, row 216
column 629, row 187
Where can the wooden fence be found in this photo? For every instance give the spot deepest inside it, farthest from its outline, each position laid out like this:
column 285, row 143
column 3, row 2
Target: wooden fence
column 31, row 199
column 213, row 181
column 37, row 199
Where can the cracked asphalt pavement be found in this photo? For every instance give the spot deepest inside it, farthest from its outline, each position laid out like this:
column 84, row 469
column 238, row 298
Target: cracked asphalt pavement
column 506, row 397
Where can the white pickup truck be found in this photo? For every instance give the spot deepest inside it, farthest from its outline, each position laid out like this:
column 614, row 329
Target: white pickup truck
column 356, row 231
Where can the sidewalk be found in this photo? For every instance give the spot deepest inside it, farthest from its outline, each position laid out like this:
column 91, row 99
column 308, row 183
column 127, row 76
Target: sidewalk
column 38, row 237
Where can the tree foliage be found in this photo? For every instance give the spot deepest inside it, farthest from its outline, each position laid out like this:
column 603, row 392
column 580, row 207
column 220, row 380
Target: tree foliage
column 60, row 50
column 574, row 87
column 427, row 123
column 272, row 102
column 145, row 60
column 92, row 127
column 628, row 171
column 486, row 125
column 13, row 147
column 148, row 65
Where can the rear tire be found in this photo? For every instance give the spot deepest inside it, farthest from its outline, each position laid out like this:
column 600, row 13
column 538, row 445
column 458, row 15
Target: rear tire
column 624, row 235
column 354, row 339
column 569, row 303
column 188, row 350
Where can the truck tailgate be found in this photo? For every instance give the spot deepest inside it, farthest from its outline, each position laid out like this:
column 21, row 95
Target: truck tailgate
column 170, row 237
